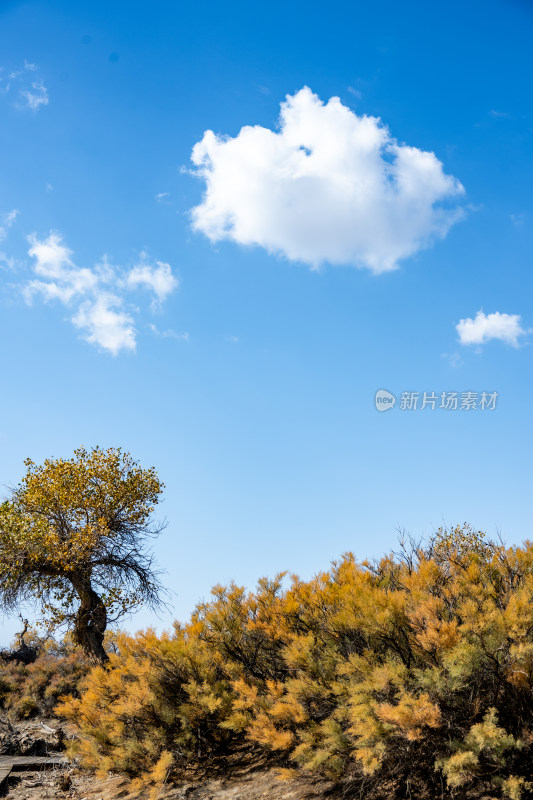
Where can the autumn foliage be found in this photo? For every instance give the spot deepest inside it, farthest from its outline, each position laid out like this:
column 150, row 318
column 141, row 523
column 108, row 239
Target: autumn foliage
column 74, row 541
column 414, row 673
column 32, row 690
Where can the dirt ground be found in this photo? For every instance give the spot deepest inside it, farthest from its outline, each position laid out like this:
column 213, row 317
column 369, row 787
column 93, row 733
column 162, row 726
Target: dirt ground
column 46, row 737
column 247, row 781
column 262, row 785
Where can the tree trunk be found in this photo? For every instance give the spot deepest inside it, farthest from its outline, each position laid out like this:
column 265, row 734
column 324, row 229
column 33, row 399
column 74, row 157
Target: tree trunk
column 91, row 620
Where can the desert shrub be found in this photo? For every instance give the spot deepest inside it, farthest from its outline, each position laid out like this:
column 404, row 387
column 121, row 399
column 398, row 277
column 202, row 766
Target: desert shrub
column 29, row 690
column 415, row 671
column 156, row 706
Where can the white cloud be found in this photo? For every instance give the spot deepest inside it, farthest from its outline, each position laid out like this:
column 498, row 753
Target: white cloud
column 357, row 93
column 63, row 279
column 506, row 327
column 52, row 258
column 96, row 294
column 158, row 279
column 105, row 324
column 454, row 359
column 329, row 186
column 32, row 91
column 518, row 220
column 7, row 263
column 168, row 334
column 7, row 222
column 36, row 96
column 162, row 197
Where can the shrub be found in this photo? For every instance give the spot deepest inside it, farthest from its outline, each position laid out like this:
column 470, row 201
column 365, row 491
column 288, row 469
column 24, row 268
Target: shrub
column 415, row 671
column 29, row 690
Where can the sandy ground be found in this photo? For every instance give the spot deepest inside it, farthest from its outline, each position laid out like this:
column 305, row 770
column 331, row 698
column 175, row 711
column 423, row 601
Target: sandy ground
column 263, row 785
column 45, row 737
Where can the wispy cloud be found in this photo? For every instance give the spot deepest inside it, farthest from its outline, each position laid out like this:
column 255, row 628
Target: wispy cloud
column 95, row 294
column 355, row 92
column 157, row 278
column 27, row 83
column 328, row 186
column 518, row 220
column 7, row 221
column 453, row 359
column 162, row 197
column 36, row 96
column 168, row 334
column 486, row 327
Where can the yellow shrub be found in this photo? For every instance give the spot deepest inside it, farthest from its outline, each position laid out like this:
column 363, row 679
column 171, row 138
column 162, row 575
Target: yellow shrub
column 418, row 664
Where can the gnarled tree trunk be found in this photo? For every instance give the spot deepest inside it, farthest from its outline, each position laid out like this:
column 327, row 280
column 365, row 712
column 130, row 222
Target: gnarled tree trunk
column 91, row 620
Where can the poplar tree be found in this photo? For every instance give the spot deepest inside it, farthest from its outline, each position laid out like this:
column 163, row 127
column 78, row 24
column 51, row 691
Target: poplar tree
column 74, row 540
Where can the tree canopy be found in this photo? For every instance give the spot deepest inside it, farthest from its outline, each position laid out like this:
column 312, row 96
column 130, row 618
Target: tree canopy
column 74, row 538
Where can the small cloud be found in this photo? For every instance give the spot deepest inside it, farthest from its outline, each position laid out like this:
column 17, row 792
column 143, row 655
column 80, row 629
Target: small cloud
column 52, row 257
column 499, row 114
column 454, row 359
column 105, row 325
column 7, row 263
column 59, row 278
column 232, row 339
column 158, row 278
column 517, row 220
column 162, row 197
column 168, row 334
column 7, row 221
column 31, row 89
column 35, row 97
column 485, row 327
column 97, row 294
column 49, row 187
column 356, row 93
column 264, row 90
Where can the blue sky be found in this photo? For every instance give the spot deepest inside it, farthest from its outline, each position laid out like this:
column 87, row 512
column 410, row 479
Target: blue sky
column 229, row 315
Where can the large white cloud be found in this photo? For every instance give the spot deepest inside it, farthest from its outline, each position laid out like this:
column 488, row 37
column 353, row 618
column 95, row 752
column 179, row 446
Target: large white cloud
column 96, row 294
column 506, row 327
column 328, row 186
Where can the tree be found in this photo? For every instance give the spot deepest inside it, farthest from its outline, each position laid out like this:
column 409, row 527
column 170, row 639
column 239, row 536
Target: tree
column 74, row 539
